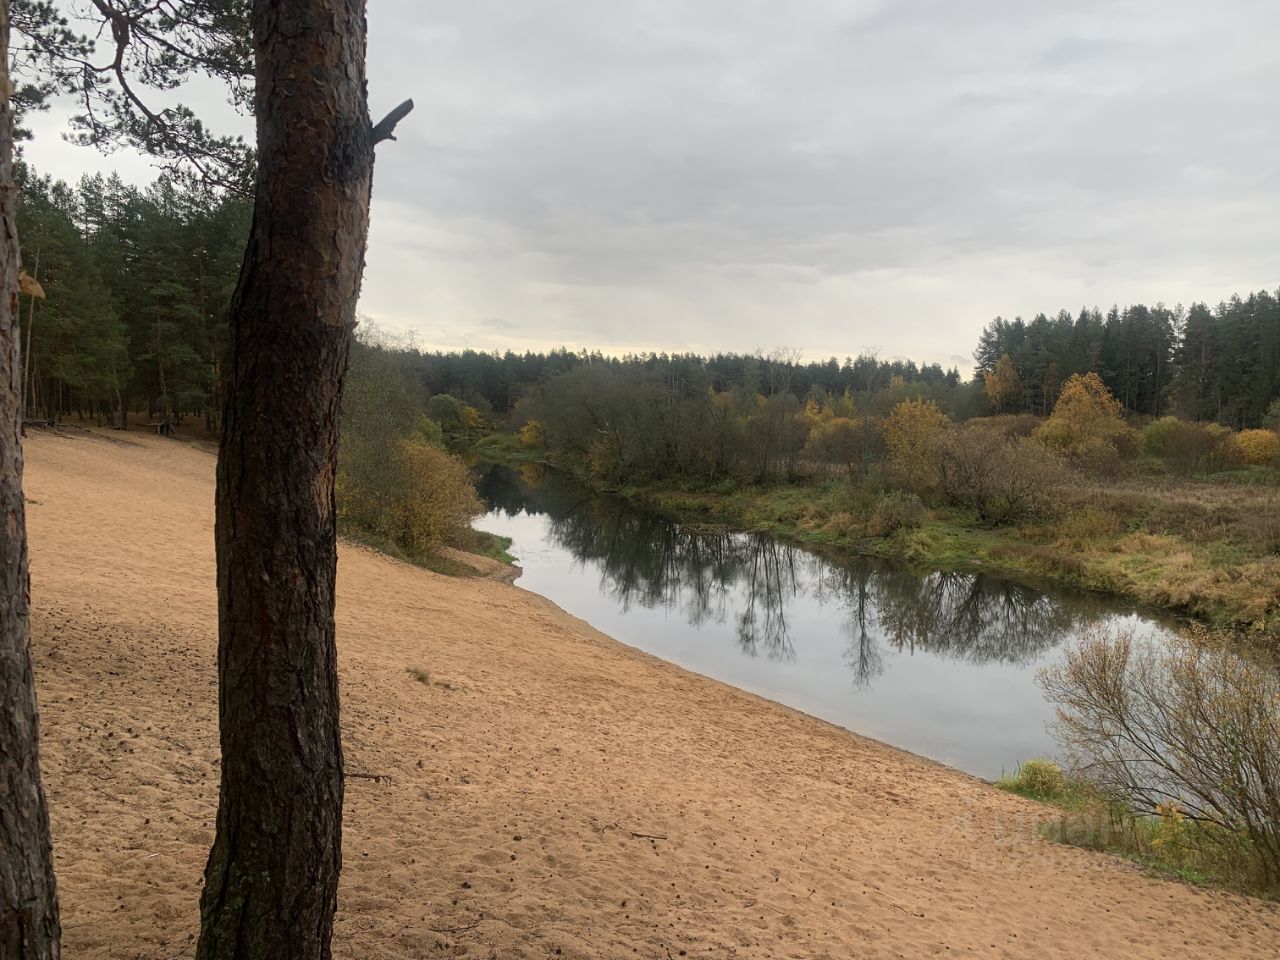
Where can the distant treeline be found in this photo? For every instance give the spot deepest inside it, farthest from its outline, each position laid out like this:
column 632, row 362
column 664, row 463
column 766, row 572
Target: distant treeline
column 137, row 285
column 1219, row 364
column 494, row 383
column 1208, row 364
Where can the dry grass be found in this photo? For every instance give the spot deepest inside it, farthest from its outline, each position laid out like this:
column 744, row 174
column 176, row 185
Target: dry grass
column 1085, row 525
column 1208, row 548
column 1043, row 559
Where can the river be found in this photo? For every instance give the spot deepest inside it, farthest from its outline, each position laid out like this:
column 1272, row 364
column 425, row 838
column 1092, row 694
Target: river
column 941, row 663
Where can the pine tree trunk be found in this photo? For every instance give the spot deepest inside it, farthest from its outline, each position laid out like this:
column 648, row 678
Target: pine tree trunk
column 28, row 899
column 272, row 876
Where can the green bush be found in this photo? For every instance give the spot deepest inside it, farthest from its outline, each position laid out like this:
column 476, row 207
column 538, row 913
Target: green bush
column 1039, row 779
column 1192, row 447
column 1271, row 419
column 430, row 431
column 895, row 510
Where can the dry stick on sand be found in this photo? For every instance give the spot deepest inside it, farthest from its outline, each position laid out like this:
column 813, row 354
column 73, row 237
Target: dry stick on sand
column 648, row 836
column 470, row 926
column 375, row 777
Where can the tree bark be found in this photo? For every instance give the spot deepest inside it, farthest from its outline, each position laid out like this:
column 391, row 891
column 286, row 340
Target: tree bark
column 272, row 876
column 29, row 928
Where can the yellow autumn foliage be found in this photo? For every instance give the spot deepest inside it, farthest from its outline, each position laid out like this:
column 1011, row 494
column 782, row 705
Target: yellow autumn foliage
column 532, row 435
column 435, row 502
column 421, row 499
column 911, row 434
column 1003, row 385
column 1259, row 447
column 1087, row 425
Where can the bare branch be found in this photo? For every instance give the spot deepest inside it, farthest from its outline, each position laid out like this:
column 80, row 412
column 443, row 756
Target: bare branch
column 385, row 128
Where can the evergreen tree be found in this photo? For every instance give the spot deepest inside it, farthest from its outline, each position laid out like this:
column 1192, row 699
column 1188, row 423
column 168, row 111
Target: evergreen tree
column 138, row 285
column 1221, row 365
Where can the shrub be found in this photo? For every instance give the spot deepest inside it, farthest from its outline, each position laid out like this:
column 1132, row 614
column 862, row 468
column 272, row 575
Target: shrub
column 1039, row 778
column 895, row 510
column 1187, row 729
column 1259, row 447
column 604, row 458
column 532, row 435
column 1004, row 479
column 421, row 500
column 835, row 441
column 1010, row 424
column 445, row 410
column 430, row 431
column 911, row 433
column 1271, row 419
column 1086, row 426
column 453, row 415
column 433, row 502
column 1224, row 447
column 1191, row 447
column 1180, row 445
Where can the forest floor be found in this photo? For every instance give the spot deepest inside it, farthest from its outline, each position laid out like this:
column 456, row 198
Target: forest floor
column 546, row 790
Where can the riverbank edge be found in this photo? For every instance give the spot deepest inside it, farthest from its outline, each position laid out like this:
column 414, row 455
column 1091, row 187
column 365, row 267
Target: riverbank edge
column 944, row 541
column 485, row 555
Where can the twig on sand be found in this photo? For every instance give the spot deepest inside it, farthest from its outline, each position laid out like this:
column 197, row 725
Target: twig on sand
column 470, row 926
column 648, row 836
column 83, row 923
column 375, row 777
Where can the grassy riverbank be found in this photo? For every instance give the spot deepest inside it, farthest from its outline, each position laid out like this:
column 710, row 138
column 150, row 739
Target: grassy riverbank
column 1207, row 547
column 1187, row 548
column 479, row 553
column 1197, row 853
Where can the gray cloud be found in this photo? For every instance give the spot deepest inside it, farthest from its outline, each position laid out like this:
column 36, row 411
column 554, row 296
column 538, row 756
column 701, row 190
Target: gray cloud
column 733, row 175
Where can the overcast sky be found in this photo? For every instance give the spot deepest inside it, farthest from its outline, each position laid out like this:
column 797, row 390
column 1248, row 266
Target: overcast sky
column 737, row 175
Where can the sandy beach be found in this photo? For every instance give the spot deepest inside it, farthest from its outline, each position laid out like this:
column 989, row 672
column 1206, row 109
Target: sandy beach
column 541, row 790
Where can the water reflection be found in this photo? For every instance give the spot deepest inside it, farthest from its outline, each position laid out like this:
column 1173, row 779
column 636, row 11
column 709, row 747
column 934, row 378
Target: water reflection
column 752, row 580
column 942, row 663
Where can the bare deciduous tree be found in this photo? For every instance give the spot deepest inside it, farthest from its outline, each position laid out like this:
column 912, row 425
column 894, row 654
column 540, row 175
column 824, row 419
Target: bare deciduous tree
column 1189, row 721
column 1004, row 479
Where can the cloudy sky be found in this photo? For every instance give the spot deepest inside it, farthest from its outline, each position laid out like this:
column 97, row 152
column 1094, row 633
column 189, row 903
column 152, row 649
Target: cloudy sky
column 731, row 174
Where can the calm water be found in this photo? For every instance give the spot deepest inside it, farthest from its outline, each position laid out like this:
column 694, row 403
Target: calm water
column 942, row 664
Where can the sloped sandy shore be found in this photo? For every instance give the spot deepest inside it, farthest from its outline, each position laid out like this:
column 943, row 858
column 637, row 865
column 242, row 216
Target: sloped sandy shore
column 551, row 792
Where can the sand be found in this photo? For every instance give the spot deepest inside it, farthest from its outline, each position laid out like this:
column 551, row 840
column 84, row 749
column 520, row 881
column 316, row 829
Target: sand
column 552, row 792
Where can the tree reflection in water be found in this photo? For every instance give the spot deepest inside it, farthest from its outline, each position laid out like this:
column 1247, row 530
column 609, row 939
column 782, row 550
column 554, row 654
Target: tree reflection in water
column 711, row 575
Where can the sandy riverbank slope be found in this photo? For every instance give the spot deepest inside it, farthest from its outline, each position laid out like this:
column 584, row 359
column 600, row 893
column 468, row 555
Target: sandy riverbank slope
column 522, row 775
